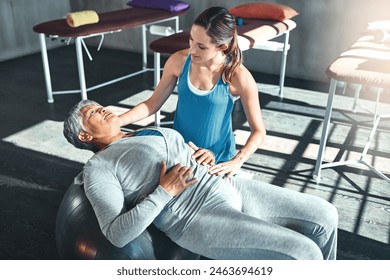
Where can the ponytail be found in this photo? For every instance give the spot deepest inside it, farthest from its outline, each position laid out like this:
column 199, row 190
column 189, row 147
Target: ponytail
column 233, row 59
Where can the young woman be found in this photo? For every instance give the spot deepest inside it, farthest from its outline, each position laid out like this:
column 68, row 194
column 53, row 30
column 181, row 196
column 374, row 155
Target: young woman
column 210, row 76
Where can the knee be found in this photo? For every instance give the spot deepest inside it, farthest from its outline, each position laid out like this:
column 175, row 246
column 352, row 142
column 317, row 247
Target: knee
column 331, row 215
column 306, row 249
column 310, row 251
column 325, row 213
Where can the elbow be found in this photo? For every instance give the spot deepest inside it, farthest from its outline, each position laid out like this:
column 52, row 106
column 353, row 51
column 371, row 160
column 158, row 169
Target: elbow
column 118, row 244
column 151, row 107
column 117, row 239
column 262, row 133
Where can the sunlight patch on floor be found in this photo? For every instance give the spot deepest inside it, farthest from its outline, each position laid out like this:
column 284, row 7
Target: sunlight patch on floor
column 46, row 137
column 169, row 106
column 286, row 146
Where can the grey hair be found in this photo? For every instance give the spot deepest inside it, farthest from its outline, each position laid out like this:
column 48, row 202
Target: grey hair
column 73, row 126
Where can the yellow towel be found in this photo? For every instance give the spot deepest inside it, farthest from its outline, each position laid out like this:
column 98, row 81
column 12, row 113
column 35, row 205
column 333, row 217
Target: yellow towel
column 81, row 18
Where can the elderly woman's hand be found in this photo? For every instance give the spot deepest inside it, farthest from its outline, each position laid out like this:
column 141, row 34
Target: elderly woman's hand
column 202, row 156
column 177, row 179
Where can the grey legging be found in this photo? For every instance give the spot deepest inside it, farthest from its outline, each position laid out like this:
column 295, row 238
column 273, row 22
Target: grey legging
column 265, row 222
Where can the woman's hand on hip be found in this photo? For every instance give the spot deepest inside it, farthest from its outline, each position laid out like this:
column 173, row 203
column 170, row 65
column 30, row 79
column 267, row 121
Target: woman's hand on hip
column 227, row 168
column 201, row 155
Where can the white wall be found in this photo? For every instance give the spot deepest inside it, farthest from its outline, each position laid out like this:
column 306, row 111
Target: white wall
column 17, row 18
column 325, row 28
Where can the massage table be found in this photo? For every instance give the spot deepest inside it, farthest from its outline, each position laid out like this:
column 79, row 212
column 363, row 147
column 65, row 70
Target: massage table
column 109, row 22
column 253, row 34
column 365, row 63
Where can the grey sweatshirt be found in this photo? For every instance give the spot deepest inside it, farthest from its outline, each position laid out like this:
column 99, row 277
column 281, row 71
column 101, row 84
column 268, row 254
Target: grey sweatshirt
column 122, row 184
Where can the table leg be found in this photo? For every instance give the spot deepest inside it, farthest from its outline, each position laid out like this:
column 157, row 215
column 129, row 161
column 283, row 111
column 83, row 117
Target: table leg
column 80, row 67
column 325, row 129
column 144, row 48
column 157, row 70
column 283, row 63
column 46, row 68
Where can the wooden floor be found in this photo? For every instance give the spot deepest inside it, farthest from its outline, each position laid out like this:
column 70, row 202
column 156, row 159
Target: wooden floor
column 37, row 165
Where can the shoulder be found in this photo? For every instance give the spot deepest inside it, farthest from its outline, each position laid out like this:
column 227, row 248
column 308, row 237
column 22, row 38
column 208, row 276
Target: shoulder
column 166, row 132
column 176, row 61
column 242, row 80
column 242, row 74
column 97, row 168
column 180, row 56
column 100, row 159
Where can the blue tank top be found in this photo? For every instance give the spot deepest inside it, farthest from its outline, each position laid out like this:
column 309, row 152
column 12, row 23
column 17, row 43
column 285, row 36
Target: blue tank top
column 206, row 119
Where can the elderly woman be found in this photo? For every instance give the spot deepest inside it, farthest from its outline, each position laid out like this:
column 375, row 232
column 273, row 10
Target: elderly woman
column 148, row 176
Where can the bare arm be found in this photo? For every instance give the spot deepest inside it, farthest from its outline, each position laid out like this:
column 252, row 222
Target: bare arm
column 161, row 93
column 244, row 86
